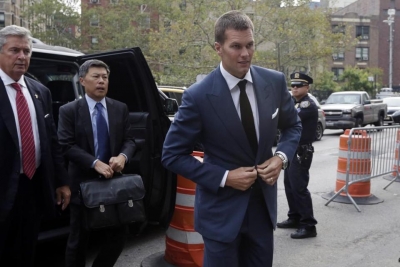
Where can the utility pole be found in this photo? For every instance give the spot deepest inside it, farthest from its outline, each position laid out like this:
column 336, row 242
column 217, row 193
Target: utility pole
column 391, row 12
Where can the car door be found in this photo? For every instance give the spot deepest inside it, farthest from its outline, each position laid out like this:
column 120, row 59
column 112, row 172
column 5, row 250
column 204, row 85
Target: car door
column 131, row 82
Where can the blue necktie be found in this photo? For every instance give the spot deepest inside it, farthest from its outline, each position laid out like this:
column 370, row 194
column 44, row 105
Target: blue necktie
column 103, row 139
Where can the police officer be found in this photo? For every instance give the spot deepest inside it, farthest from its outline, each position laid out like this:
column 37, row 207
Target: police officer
column 301, row 215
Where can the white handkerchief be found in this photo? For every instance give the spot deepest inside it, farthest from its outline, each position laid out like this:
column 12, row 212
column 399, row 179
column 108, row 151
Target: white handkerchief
column 276, row 113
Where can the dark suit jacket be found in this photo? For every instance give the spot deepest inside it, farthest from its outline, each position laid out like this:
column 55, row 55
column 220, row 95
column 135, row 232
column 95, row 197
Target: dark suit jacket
column 75, row 135
column 53, row 173
column 208, row 114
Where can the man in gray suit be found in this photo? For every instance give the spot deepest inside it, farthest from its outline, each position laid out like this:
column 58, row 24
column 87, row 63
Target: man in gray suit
column 234, row 112
column 94, row 134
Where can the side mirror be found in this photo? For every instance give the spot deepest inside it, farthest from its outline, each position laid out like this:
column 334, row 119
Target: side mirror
column 367, row 102
column 170, row 106
column 323, row 102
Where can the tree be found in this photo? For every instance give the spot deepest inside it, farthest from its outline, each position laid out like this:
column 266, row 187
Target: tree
column 356, row 79
column 54, row 22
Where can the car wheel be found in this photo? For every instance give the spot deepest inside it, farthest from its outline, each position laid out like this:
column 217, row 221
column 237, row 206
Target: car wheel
column 380, row 121
column 358, row 123
column 320, row 132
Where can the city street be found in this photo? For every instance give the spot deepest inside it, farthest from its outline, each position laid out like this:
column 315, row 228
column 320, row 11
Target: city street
column 346, row 237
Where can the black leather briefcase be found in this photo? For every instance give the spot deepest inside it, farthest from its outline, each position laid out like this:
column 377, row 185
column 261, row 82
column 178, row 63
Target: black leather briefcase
column 112, row 202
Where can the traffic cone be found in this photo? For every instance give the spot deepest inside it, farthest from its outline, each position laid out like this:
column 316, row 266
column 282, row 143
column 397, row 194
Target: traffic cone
column 359, row 168
column 184, row 246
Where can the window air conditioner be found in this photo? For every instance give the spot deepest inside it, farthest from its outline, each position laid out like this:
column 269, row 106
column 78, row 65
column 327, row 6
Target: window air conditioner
column 365, row 57
column 365, row 37
column 94, row 1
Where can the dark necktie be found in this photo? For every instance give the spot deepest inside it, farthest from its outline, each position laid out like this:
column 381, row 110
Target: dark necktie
column 26, row 132
column 247, row 117
column 103, row 139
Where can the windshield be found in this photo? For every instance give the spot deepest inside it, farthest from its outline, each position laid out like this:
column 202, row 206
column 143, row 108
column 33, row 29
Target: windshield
column 343, row 99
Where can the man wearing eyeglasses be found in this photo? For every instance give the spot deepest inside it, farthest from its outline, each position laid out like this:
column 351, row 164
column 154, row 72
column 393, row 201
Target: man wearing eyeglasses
column 296, row 178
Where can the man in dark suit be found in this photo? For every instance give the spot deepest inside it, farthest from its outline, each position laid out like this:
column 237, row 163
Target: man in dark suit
column 30, row 156
column 94, row 134
column 235, row 113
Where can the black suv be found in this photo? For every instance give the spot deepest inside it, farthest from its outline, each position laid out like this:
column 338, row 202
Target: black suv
column 131, row 82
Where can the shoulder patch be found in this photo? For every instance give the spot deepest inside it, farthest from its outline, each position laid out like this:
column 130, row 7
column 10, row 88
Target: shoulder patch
column 305, row 104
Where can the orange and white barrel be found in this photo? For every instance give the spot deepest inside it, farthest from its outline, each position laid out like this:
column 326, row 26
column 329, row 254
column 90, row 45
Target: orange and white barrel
column 184, row 246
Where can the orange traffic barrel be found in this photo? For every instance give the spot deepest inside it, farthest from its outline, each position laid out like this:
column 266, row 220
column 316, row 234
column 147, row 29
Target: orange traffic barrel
column 184, row 246
column 353, row 169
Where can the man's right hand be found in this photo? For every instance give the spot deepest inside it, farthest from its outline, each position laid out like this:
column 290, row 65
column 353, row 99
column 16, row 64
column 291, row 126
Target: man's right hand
column 241, row 178
column 103, row 169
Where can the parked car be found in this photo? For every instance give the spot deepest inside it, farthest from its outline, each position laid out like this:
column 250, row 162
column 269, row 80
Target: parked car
column 131, row 82
column 393, row 110
column 346, row 110
column 320, row 126
column 173, row 92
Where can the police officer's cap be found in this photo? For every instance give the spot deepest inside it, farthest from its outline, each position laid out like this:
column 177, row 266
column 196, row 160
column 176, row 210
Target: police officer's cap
column 298, row 78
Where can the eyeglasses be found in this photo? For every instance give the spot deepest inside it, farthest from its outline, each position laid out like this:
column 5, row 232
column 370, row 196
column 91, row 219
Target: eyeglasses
column 298, row 85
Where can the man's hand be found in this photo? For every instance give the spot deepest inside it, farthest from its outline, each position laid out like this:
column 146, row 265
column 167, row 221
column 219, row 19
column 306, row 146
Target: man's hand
column 241, row 178
column 103, row 169
column 117, row 163
column 63, row 194
column 269, row 171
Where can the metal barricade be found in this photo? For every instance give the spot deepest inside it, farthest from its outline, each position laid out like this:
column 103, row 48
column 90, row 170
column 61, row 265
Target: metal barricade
column 371, row 152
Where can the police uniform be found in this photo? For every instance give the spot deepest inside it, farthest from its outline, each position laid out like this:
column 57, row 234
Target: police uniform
column 296, row 177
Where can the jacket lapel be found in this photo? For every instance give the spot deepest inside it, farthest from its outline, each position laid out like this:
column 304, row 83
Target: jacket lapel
column 265, row 98
column 84, row 114
column 111, row 124
column 221, row 101
column 37, row 102
column 7, row 114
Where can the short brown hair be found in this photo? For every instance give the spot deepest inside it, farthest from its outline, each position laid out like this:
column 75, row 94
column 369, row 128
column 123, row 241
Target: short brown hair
column 234, row 19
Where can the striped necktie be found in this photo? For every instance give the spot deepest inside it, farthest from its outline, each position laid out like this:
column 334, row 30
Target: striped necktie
column 26, row 132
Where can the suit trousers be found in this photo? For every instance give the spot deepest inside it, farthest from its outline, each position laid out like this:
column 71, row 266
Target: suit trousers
column 19, row 232
column 254, row 245
column 296, row 180
column 113, row 241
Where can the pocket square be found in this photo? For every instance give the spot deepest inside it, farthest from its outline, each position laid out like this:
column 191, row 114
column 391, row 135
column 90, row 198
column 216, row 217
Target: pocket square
column 275, row 113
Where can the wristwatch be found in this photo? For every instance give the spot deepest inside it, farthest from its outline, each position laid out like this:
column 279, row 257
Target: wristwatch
column 283, row 158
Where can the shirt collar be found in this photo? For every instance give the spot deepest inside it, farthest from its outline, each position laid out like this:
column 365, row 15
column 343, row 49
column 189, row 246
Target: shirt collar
column 7, row 80
column 231, row 80
column 91, row 102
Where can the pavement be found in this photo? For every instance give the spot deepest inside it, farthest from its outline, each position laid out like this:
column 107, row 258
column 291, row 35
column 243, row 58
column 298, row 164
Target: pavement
column 346, row 237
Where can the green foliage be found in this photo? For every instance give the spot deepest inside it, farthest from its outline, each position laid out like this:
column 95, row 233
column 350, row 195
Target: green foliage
column 356, row 79
column 325, row 82
column 54, row 22
column 177, row 36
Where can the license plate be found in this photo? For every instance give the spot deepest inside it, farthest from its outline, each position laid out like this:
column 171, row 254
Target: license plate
column 329, row 123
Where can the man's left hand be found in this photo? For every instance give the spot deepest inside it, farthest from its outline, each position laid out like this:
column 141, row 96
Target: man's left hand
column 269, row 171
column 63, row 196
column 117, row 163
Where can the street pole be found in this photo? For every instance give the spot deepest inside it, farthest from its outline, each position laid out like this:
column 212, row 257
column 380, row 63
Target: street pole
column 390, row 21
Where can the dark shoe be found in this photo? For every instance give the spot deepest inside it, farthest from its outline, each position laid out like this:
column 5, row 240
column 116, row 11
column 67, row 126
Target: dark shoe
column 304, row 232
column 289, row 223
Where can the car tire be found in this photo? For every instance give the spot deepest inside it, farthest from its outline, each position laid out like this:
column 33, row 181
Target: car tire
column 358, row 123
column 319, row 132
column 380, row 121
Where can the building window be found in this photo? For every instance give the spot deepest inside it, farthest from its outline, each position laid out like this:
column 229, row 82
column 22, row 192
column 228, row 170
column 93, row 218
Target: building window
column 337, row 72
column 338, row 28
column 95, row 1
column 2, row 19
column 362, row 53
column 338, row 56
column 362, row 32
column 94, row 21
column 113, row 1
column 95, row 40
